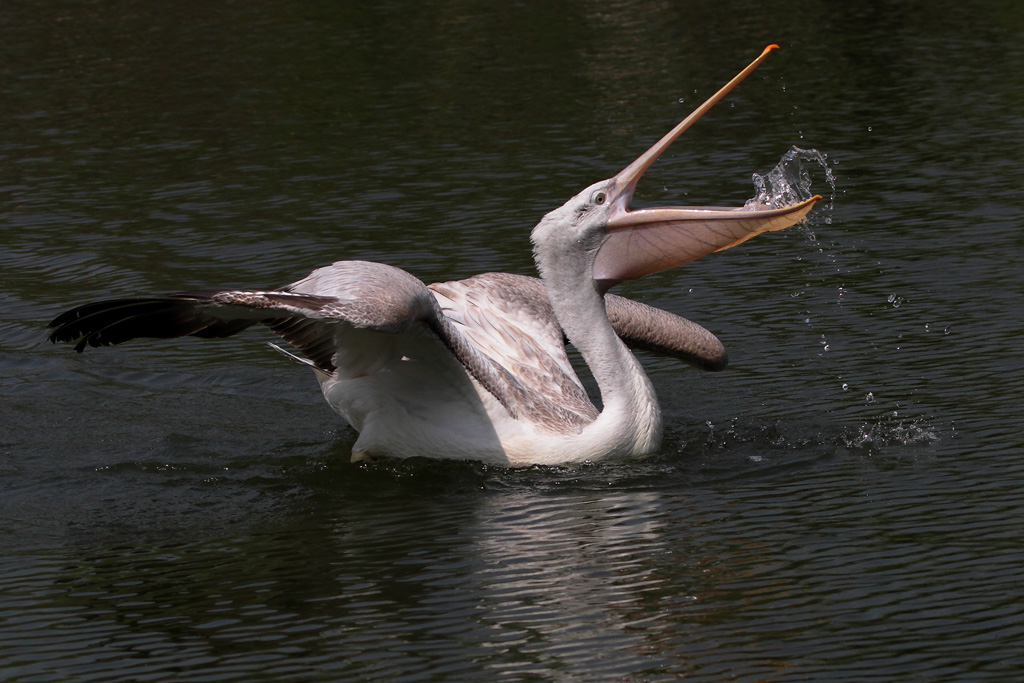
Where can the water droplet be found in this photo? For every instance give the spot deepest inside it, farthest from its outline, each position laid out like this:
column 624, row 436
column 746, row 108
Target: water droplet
column 845, row 386
column 895, row 300
column 945, row 330
column 789, row 183
column 869, row 129
column 869, row 398
column 682, row 100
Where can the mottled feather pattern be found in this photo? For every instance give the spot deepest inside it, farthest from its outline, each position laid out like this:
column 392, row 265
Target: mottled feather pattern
column 509, row 319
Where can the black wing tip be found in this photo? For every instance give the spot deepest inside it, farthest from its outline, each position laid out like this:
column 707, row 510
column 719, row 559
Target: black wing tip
column 62, row 320
column 63, row 329
column 61, row 335
column 59, row 332
column 56, row 337
column 114, row 321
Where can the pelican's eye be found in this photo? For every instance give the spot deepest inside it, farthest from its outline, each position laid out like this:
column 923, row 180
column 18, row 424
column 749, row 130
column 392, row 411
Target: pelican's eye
column 599, row 198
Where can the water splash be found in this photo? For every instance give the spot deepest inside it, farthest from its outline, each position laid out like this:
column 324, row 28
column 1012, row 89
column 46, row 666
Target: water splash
column 890, row 430
column 789, row 182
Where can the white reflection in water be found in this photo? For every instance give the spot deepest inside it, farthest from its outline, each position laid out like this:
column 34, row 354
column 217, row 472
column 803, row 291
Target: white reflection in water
column 576, row 575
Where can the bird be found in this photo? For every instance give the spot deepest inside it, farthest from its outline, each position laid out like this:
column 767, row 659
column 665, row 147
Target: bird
column 477, row 369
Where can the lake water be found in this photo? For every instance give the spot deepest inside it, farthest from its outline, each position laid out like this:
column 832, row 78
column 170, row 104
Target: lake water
column 843, row 503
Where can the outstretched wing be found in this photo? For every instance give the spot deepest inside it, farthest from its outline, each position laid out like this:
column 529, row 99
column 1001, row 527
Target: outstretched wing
column 509, row 319
column 344, row 317
column 307, row 313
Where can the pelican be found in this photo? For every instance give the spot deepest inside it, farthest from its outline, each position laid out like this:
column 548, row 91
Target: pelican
column 477, row 369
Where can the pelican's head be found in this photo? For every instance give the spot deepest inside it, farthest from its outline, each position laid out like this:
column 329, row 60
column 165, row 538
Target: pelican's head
column 595, row 231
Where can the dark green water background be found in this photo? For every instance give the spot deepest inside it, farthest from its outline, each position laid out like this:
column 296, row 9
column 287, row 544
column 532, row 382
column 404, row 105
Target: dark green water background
column 843, row 503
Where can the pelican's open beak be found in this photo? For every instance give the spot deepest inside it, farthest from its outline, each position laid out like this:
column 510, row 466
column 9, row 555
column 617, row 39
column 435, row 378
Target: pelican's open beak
column 650, row 240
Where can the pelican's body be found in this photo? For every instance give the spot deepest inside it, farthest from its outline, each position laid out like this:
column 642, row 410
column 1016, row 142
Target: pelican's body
column 413, row 396
column 477, row 368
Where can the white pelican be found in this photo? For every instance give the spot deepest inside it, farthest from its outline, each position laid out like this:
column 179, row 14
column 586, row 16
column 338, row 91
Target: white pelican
column 477, row 368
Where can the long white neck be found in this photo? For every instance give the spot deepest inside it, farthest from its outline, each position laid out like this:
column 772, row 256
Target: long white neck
column 630, row 420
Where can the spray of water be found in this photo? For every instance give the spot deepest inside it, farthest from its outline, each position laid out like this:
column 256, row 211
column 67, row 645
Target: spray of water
column 789, row 182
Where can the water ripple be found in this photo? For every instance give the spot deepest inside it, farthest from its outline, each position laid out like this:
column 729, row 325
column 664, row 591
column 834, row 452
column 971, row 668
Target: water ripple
column 842, row 504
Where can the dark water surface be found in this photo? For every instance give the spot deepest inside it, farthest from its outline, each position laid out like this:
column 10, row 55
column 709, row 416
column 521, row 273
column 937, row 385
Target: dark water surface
column 843, row 503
